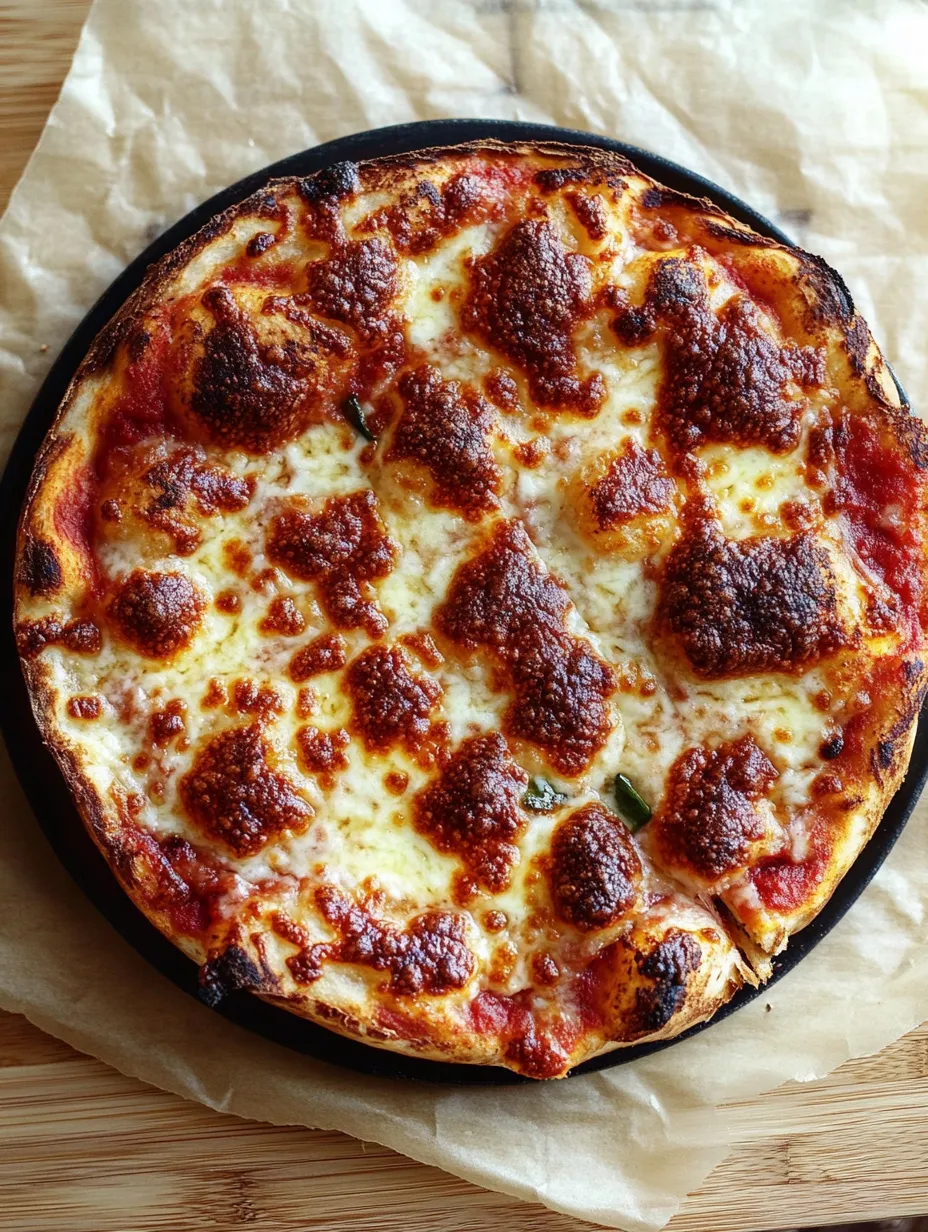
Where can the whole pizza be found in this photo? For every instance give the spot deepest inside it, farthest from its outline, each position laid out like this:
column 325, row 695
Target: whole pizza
column 477, row 600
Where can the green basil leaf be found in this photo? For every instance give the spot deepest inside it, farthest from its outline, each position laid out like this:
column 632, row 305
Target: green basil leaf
column 541, row 796
column 354, row 413
column 633, row 810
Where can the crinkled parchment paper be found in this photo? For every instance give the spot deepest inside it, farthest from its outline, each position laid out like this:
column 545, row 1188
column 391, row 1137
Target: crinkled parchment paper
column 818, row 115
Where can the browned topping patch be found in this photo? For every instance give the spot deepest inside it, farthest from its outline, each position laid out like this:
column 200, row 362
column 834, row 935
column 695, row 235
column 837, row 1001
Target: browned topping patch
column 323, row 752
column 233, row 794
column 356, row 286
column 425, row 214
column 306, row 702
column 594, row 872
column 445, row 427
column 164, row 725
column 390, row 705
column 545, row 970
column 634, row 485
column 526, row 298
column 429, row 956
column 343, row 549
column 157, row 613
column 246, row 394
column 85, row 706
column 283, row 617
column 532, row 453
column 472, row 810
column 79, row 636
column 725, row 379
column 752, row 605
column 708, row 819
column 186, row 478
column 326, row 653
column 504, row 601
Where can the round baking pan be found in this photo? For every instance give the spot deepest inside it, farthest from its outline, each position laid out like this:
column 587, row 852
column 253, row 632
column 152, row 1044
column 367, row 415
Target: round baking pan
column 43, row 784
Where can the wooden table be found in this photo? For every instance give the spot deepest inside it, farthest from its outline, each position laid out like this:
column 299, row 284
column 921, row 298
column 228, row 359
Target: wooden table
column 83, row 1149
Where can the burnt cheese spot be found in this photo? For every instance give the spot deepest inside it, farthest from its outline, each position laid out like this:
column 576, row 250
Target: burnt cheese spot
column 250, row 697
column 591, row 213
column 356, row 286
column 725, row 379
column 233, row 793
column 326, row 653
column 323, row 753
column 246, row 394
column 426, row 214
column 157, row 613
column 594, row 871
column 183, row 484
column 751, row 605
column 167, row 724
column 667, row 969
column 283, row 617
column 472, row 810
column 343, row 550
column 85, row 706
column 79, row 636
column 391, row 705
column 39, row 567
column 429, row 956
column 634, row 485
column 504, row 601
column 708, row 819
column 445, row 427
column 526, row 298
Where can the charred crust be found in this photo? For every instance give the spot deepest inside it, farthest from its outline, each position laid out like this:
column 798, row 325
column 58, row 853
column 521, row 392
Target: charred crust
column 331, row 183
column 736, row 235
column 39, row 567
column 228, row 972
column 657, row 197
column 831, row 301
column 668, row 968
column 857, row 345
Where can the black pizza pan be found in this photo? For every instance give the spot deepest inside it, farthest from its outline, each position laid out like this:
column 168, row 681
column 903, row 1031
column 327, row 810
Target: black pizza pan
column 38, row 773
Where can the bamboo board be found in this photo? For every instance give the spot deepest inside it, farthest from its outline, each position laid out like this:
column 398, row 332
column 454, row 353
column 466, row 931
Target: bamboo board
column 83, row 1149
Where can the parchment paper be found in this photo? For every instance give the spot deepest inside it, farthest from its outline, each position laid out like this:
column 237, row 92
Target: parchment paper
column 817, row 114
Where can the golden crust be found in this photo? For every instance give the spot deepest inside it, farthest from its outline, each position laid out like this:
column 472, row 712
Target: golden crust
column 645, row 977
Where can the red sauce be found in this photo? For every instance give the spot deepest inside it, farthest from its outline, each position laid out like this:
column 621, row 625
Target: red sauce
column 878, row 492
column 74, row 521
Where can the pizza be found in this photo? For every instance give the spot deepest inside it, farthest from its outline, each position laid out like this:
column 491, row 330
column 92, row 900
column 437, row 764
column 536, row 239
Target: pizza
column 477, row 600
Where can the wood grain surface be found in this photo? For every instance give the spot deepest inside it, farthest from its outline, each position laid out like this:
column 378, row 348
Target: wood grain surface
column 83, row 1149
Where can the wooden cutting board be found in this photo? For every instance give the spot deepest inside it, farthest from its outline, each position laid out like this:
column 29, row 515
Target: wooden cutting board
column 83, row 1149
